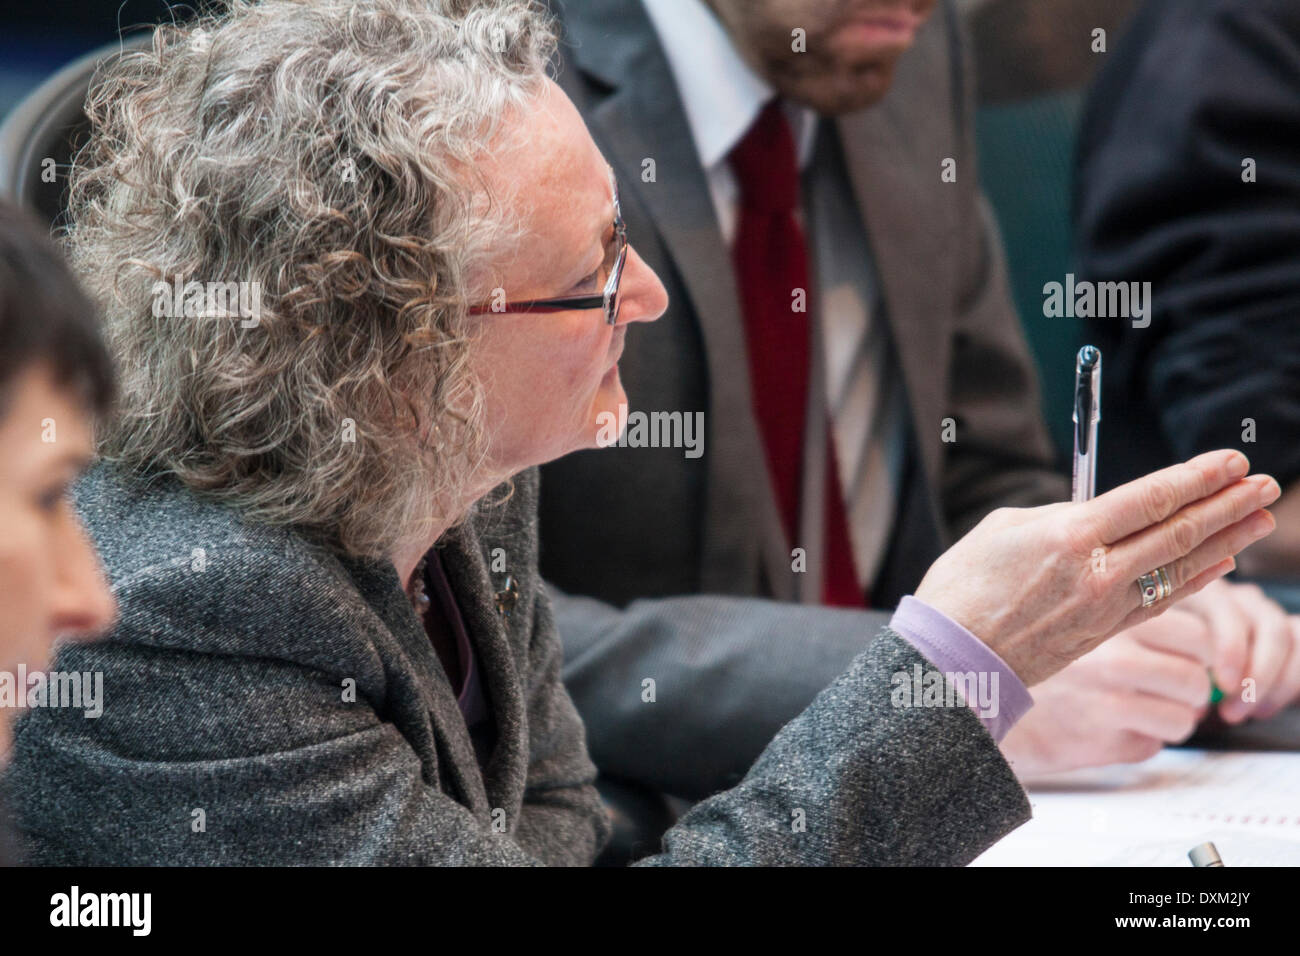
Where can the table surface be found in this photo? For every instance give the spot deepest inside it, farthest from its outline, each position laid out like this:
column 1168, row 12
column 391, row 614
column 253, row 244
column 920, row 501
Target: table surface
column 1153, row 813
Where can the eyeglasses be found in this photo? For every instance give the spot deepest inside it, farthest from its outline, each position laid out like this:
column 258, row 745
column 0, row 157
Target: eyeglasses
column 608, row 300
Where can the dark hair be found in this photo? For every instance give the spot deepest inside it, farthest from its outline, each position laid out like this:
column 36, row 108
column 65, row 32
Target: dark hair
column 45, row 318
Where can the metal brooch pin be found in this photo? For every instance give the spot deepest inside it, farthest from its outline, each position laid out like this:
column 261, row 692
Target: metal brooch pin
column 508, row 596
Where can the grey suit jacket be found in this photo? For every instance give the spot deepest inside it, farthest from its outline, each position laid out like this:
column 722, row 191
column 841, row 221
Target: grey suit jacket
column 267, row 702
column 653, row 540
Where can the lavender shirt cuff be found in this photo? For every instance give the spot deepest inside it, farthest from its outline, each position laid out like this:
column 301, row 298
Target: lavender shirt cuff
column 1001, row 697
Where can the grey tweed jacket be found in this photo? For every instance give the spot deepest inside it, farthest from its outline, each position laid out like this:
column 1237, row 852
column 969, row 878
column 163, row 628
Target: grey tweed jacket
column 268, row 702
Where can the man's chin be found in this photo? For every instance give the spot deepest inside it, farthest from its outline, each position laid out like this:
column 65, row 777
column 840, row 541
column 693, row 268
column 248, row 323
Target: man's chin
column 847, row 91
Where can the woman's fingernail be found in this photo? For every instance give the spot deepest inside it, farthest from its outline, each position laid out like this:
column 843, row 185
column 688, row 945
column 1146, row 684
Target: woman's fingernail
column 1269, row 487
column 1262, row 523
column 1238, row 465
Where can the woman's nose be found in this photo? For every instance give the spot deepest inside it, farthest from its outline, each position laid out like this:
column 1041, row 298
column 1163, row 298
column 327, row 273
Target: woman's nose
column 83, row 604
column 644, row 297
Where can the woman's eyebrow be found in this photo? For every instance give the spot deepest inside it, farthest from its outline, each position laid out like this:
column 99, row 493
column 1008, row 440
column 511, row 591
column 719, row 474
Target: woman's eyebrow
column 599, row 240
column 582, row 270
column 606, row 223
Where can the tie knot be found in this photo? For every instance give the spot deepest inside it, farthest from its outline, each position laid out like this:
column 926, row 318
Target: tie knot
column 765, row 164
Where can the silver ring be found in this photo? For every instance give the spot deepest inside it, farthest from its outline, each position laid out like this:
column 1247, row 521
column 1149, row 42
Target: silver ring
column 1155, row 587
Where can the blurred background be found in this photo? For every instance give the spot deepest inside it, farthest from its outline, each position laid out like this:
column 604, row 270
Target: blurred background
column 1034, row 61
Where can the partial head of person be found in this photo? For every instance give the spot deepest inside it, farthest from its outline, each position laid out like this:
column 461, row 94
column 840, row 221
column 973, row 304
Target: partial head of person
column 55, row 381
column 360, row 263
column 835, row 56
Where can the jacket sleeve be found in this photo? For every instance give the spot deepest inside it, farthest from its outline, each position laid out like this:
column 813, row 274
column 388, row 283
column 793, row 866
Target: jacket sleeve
column 728, row 674
column 860, row 779
column 1003, row 456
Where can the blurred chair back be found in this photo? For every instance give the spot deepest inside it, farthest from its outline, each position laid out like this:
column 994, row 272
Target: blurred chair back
column 1026, row 169
column 39, row 138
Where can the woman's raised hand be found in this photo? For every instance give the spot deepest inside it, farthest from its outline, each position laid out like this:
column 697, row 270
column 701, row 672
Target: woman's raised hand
column 1043, row 586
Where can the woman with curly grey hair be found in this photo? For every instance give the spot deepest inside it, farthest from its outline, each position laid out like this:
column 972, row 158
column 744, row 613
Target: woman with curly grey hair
column 364, row 268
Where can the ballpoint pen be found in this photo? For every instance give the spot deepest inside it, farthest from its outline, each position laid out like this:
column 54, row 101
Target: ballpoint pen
column 1087, row 413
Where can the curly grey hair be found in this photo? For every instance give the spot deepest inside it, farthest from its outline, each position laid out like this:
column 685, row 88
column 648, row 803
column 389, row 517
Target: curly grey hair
column 323, row 150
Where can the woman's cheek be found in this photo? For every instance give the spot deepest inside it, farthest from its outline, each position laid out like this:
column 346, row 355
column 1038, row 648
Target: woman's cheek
column 22, row 594
column 588, row 370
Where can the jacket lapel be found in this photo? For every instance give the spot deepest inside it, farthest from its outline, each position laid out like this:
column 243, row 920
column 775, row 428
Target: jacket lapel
column 612, row 41
column 377, row 581
column 906, row 211
column 507, row 769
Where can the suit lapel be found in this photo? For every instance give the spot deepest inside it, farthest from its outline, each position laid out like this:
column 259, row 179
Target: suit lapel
column 613, row 41
column 904, row 207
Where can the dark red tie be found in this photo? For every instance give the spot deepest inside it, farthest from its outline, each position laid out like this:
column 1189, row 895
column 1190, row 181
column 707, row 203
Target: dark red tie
column 771, row 260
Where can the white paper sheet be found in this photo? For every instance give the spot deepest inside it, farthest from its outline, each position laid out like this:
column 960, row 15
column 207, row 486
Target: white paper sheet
column 1151, row 814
